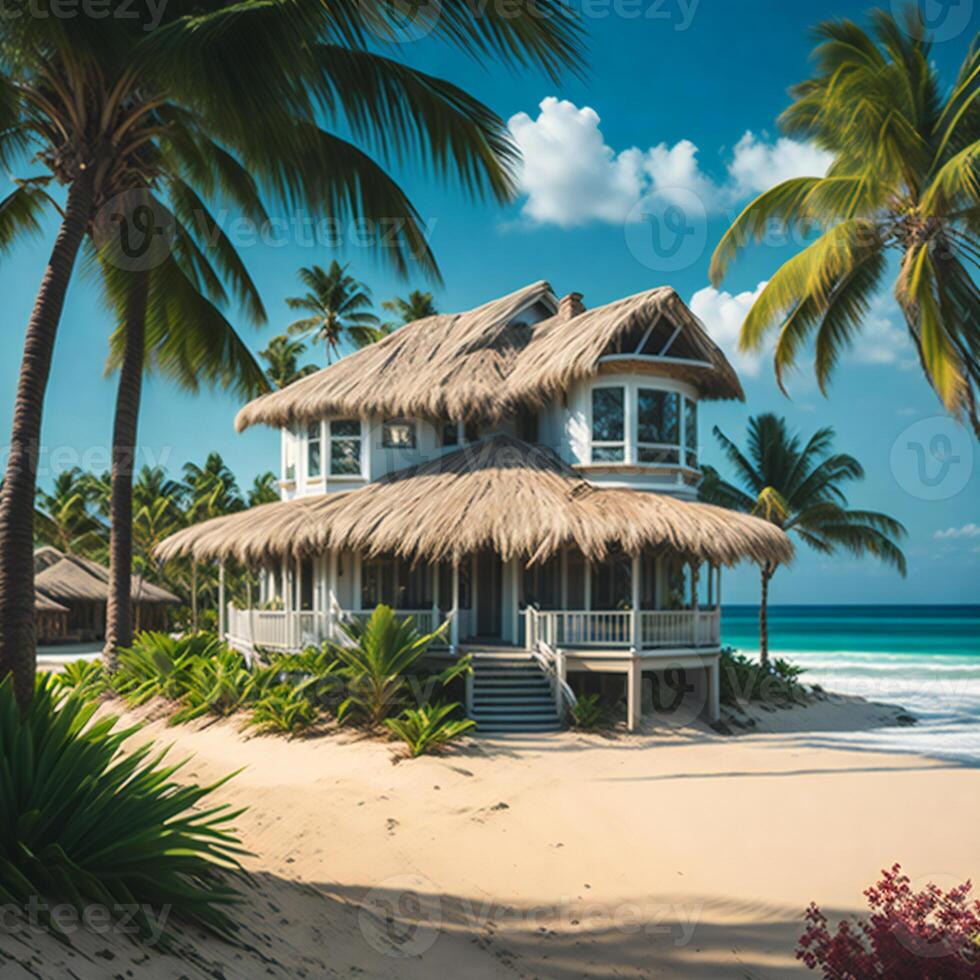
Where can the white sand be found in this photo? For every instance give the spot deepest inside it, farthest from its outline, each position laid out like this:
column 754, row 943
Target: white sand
column 671, row 853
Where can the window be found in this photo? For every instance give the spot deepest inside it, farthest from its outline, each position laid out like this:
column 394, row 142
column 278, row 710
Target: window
column 471, row 432
column 398, row 434
column 542, row 584
column 449, row 434
column 527, row 426
column 314, row 451
column 289, row 455
column 691, row 432
column 612, row 583
column 608, row 425
column 658, row 426
column 345, row 447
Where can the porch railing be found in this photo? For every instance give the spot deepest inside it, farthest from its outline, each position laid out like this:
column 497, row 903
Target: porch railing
column 673, row 629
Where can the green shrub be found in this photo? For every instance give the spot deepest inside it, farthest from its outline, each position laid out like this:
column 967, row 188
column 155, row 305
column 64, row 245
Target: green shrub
column 85, row 677
column 284, row 710
column 428, row 727
column 378, row 663
column 220, row 685
column 84, row 823
column 158, row 665
column 589, row 713
column 317, row 670
column 744, row 680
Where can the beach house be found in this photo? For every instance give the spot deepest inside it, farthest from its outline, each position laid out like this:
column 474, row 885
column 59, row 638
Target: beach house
column 526, row 473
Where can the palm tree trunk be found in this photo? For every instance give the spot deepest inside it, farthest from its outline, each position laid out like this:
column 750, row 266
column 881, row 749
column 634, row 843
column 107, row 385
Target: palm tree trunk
column 18, row 653
column 119, row 621
column 767, row 572
column 194, row 621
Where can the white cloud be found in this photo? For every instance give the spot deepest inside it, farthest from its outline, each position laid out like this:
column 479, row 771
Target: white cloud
column 571, row 176
column 759, row 166
column 723, row 314
column 970, row 530
column 883, row 338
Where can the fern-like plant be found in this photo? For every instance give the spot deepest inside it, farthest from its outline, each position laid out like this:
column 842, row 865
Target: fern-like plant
column 588, row 713
column 429, row 727
column 220, row 685
column 85, row 823
column 85, row 677
column 283, row 711
column 158, row 665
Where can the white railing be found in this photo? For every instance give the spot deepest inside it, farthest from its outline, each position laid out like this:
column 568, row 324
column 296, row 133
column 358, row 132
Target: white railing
column 274, row 629
column 680, row 629
column 552, row 663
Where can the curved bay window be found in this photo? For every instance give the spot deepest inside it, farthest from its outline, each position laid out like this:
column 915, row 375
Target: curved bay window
column 636, row 424
column 345, row 447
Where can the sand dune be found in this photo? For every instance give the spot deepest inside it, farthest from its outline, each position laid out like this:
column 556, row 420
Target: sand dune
column 669, row 853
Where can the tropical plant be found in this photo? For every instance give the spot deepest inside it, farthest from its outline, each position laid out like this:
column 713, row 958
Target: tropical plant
column 158, row 665
column 905, row 181
column 743, row 680
column 588, row 712
column 416, row 306
column 85, row 677
column 64, row 520
column 337, row 308
column 800, row 488
column 114, row 107
column 88, row 824
column 316, row 671
column 220, row 684
column 909, row 935
column 264, row 490
column 429, row 727
column 282, row 357
column 284, row 710
column 378, row 663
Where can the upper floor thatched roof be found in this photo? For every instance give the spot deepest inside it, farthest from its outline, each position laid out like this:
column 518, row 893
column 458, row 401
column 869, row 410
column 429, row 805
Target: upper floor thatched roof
column 486, row 363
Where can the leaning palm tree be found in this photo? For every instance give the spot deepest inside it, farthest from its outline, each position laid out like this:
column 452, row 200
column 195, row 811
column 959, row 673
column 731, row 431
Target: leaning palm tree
column 264, row 490
column 416, row 306
column 108, row 106
column 800, row 489
column 905, row 182
column 337, row 308
column 282, row 360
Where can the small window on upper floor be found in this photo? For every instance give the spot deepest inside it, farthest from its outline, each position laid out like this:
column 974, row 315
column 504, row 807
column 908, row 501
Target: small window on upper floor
column 289, row 455
column 658, row 426
column 314, row 451
column 345, row 447
column 608, row 425
column 691, row 432
column 398, row 434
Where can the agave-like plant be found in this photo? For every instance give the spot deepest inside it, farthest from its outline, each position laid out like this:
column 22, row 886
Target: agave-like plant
column 377, row 665
column 158, row 665
column 86, row 823
column 85, row 677
column 429, row 727
column 284, row 710
column 220, row 685
column 905, row 182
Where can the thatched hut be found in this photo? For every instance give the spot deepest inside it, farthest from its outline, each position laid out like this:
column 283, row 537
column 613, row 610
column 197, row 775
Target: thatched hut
column 80, row 587
column 526, row 471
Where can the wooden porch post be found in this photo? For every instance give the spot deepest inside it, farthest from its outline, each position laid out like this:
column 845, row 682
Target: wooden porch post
column 222, row 610
column 515, row 600
column 564, row 577
column 634, row 691
column 287, row 600
column 713, row 670
column 636, row 640
column 356, row 584
column 711, row 585
column 251, row 611
column 434, row 577
column 454, row 627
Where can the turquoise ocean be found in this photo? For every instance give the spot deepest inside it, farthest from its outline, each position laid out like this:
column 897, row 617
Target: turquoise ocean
column 925, row 658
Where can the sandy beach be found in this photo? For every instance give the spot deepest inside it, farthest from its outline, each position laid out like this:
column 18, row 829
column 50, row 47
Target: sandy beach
column 668, row 853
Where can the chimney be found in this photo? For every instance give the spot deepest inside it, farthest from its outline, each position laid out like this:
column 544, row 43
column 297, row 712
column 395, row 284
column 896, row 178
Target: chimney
column 570, row 306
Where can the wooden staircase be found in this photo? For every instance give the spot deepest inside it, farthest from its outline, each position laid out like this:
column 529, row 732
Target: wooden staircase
column 511, row 694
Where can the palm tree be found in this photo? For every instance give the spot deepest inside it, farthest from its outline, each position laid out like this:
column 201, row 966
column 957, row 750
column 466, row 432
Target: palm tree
column 265, row 490
column 338, row 307
column 905, row 181
column 110, row 108
column 63, row 519
column 800, row 489
column 282, row 357
column 416, row 306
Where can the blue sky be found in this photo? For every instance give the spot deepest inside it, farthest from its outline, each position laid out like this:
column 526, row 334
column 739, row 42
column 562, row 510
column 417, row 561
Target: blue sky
column 664, row 77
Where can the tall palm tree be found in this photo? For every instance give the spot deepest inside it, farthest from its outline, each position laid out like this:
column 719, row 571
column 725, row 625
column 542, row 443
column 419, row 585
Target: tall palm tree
column 282, row 357
column 64, row 520
column 416, row 306
column 905, row 182
column 338, row 308
column 800, row 488
column 107, row 106
column 265, row 490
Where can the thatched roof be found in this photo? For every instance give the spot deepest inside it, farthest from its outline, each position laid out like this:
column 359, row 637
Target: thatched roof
column 43, row 603
column 484, row 364
column 71, row 578
column 502, row 494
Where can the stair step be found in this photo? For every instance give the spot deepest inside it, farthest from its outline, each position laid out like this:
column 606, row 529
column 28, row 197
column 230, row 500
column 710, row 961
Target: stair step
column 515, row 729
column 504, row 684
column 521, row 704
column 513, row 715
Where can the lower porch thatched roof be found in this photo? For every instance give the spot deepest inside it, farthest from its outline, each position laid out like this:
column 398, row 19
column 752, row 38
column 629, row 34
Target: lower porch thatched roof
column 501, row 494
